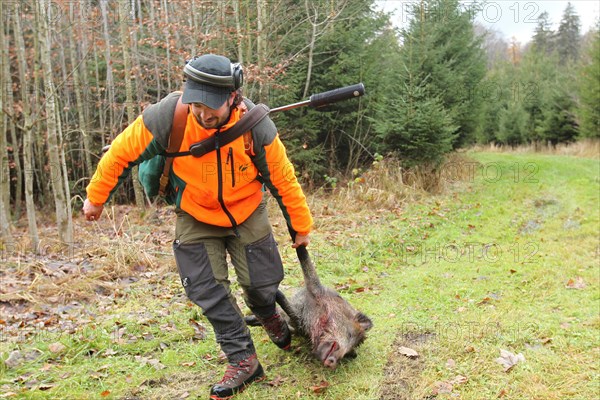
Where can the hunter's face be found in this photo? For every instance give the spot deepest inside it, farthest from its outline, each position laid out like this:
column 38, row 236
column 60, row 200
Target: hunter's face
column 210, row 118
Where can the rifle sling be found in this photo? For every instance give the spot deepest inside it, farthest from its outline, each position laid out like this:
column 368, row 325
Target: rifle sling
column 248, row 121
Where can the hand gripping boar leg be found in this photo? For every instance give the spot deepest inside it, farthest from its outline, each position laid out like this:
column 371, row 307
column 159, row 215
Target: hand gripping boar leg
column 333, row 326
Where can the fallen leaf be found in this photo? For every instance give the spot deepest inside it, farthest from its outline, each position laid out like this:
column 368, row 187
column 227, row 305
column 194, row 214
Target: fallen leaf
column 15, row 358
column 509, row 360
column 458, row 380
column 277, row 381
column 150, row 361
column 57, row 347
column 512, row 271
column 199, row 330
column 320, row 388
column 546, row 340
column 109, row 352
column 45, row 386
column 442, row 387
column 502, row 393
column 188, row 364
column 578, row 283
column 485, row 300
column 105, row 393
column 408, row 352
column 47, row 367
column 470, row 349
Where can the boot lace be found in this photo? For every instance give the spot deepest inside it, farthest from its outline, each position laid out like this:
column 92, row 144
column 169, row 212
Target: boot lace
column 235, row 370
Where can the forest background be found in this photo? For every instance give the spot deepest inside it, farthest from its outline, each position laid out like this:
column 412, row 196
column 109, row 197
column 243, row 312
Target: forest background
column 75, row 73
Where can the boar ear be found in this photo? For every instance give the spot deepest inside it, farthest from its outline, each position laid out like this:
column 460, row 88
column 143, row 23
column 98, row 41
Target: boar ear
column 364, row 321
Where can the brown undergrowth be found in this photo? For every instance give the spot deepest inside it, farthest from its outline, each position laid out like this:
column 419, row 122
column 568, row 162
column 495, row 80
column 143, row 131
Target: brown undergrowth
column 389, row 185
column 102, row 255
column 587, row 148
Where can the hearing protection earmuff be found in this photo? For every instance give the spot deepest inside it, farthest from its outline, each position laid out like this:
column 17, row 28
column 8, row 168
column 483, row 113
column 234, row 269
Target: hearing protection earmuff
column 234, row 81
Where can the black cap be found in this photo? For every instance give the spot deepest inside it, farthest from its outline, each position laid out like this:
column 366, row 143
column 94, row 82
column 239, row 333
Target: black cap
column 209, row 80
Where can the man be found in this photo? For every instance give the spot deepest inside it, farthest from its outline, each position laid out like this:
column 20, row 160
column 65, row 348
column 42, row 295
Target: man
column 220, row 208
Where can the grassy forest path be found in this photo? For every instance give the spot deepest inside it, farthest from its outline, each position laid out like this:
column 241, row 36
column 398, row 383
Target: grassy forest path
column 504, row 260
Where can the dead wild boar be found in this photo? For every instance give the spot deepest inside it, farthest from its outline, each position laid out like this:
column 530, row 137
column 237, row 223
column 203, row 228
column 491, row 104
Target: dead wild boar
column 334, row 327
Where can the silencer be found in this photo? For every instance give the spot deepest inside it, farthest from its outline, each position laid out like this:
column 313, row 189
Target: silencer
column 335, row 95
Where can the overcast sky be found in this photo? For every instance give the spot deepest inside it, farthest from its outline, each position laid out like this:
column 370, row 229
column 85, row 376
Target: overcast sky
column 511, row 17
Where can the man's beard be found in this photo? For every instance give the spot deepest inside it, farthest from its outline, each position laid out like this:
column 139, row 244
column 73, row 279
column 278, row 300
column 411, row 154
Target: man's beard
column 214, row 123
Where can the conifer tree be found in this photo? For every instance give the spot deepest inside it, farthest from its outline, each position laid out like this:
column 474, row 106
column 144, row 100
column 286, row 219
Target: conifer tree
column 442, row 37
column 543, row 38
column 589, row 91
column 568, row 36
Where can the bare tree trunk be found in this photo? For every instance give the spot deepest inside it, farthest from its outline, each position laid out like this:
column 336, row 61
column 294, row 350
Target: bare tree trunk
column 155, row 56
column 136, row 59
column 248, row 30
column 261, row 46
column 38, row 142
column 331, row 16
column 238, row 31
column 5, row 225
column 110, row 85
column 61, row 193
column 311, row 47
column 84, row 138
column 131, row 114
column 167, row 39
column 99, row 102
column 9, row 126
column 28, row 161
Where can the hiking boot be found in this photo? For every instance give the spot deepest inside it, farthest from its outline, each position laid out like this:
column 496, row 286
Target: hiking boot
column 237, row 377
column 278, row 330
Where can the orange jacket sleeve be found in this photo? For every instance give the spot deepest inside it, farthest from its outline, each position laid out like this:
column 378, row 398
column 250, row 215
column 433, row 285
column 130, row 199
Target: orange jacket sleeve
column 279, row 175
column 132, row 146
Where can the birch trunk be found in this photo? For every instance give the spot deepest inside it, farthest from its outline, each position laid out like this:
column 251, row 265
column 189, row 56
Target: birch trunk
column 261, row 46
column 110, row 85
column 28, row 160
column 5, row 229
column 60, row 192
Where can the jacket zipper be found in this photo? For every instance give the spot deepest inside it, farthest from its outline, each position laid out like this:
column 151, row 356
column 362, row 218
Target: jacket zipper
column 220, row 185
column 230, row 158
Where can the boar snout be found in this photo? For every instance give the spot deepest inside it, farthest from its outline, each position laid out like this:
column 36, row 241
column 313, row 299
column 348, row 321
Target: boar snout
column 329, row 353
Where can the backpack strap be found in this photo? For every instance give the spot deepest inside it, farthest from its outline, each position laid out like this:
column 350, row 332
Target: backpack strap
column 248, row 121
column 175, row 140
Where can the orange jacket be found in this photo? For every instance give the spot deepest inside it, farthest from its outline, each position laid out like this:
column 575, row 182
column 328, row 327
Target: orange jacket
column 196, row 180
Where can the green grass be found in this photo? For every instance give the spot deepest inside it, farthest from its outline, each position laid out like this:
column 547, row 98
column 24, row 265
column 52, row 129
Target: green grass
column 456, row 277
